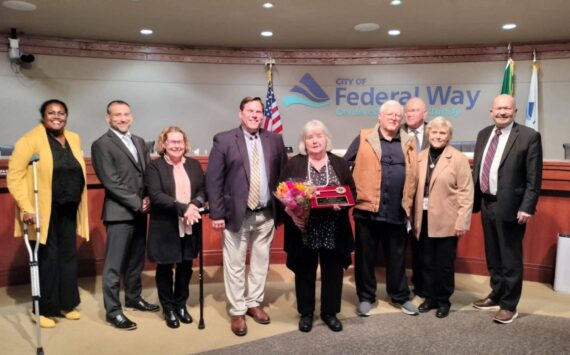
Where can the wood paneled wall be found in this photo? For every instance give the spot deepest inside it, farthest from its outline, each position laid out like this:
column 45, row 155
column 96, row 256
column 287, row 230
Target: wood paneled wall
column 539, row 244
column 357, row 56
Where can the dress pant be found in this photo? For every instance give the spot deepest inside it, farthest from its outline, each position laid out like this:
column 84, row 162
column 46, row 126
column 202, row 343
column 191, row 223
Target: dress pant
column 416, row 265
column 369, row 235
column 57, row 260
column 503, row 249
column 438, row 265
column 306, row 279
column 256, row 233
column 173, row 292
column 124, row 254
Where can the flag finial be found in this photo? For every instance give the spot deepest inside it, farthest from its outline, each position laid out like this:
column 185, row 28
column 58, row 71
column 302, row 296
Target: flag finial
column 509, row 49
column 269, row 63
column 534, row 55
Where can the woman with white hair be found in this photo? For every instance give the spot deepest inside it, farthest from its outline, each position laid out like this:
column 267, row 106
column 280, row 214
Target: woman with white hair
column 326, row 235
column 443, row 204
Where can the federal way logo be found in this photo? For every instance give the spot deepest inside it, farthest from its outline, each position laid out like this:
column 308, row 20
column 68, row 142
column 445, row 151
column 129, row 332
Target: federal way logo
column 313, row 94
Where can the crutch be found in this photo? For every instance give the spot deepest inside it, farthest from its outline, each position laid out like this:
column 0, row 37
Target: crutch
column 34, row 271
column 201, row 325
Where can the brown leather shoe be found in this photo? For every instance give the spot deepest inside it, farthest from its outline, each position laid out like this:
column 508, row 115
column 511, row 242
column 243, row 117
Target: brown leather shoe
column 486, row 304
column 258, row 315
column 239, row 327
column 505, row 317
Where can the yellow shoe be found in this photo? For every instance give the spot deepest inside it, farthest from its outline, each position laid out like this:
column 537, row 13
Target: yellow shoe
column 71, row 315
column 45, row 322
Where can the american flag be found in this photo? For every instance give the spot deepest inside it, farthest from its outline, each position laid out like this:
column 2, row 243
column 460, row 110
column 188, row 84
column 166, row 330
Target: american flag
column 272, row 116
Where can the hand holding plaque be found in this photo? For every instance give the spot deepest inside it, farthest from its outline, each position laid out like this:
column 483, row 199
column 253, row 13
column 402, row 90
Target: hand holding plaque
column 329, row 196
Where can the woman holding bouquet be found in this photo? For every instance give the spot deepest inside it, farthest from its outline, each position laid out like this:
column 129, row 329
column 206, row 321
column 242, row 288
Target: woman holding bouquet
column 320, row 234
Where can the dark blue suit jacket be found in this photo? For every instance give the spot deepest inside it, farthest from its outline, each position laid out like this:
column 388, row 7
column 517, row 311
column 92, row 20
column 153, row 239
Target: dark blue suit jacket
column 227, row 174
column 520, row 171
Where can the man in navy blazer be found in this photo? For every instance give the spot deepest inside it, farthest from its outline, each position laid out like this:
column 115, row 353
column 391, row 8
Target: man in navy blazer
column 120, row 159
column 246, row 215
column 507, row 172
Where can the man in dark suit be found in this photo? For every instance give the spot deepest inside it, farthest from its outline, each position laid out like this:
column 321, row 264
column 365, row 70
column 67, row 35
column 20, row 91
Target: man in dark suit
column 243, row 170
column 507, row 172
column 415, row 113
column 119, row 159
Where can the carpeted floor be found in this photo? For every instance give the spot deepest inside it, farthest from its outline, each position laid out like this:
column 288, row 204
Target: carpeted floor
column 463, row 332
column 542, row 328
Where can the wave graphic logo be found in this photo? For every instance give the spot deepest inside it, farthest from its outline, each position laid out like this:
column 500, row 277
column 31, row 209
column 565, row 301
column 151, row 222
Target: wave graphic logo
column 314, row 95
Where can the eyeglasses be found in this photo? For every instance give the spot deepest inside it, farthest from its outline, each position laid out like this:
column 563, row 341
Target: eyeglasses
column 175, row 142
column 56, row 113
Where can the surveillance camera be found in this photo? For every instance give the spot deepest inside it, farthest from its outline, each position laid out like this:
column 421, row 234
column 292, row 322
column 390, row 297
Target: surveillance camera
column 14, row 53
column 27, row 58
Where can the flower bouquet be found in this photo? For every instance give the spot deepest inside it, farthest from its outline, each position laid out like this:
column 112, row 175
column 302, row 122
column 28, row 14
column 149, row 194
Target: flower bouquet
column 296, row 197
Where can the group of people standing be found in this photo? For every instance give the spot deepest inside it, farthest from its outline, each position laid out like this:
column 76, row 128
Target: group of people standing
column 401, row 191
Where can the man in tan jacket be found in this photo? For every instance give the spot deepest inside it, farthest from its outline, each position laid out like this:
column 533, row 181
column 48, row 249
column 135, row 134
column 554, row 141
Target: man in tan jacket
column 385, row 175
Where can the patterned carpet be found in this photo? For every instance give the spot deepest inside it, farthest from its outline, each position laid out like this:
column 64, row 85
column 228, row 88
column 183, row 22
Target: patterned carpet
column 463, row 332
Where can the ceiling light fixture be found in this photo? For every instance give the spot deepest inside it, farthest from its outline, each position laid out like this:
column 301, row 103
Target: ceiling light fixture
column 394, row 32
column 17, row 5
column 509, row 26
column 396, row 2
column 267, row 33
column 146, row 32
column 366, row 27
column 268, row 5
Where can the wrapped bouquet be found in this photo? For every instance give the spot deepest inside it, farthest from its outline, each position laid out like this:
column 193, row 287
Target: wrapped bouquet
column 296, row 197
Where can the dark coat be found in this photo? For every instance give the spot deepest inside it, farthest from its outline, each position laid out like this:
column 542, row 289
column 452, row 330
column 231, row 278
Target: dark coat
column 121, row 175
column 520, row 171
column 296, row 168
column 227, row 175
column 163, row 237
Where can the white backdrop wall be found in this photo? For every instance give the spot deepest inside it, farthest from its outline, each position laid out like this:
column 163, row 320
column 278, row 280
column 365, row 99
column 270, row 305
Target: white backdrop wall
column 203, row 98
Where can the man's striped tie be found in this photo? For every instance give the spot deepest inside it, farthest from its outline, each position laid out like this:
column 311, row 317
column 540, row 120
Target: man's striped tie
column 254, row 180
column 488, row 161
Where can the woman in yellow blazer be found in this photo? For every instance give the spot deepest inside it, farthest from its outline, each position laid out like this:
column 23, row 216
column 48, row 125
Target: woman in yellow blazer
column 442, row 214
column 62, row 196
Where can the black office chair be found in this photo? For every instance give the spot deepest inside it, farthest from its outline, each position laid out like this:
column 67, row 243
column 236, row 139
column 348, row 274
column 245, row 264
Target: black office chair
column 464, row 146
column 566, row 151
column 6, row 150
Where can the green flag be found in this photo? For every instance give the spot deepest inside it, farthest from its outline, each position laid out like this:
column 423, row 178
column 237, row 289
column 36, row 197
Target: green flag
column 508, row 87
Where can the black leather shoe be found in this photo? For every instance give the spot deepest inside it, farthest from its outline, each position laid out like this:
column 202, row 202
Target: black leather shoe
column 120, row 321
column 143, row 306
column 306, row 323
column 442, row 312
column 171, row 319
column 183, row 315
column 427, row 306
column 332, row 321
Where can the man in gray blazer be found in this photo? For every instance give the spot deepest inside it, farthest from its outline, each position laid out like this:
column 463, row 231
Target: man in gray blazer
column 507, row 173
column 243, row 171
column 119, row 159
column 415, row 124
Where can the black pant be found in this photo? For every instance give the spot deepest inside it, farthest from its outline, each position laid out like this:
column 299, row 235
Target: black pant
column 331, row 281
column 173, row 292
column 416, row 266
column 57, row 261
column 369, row 234
column 438, row 266
column 503, row 249
column 124, row 254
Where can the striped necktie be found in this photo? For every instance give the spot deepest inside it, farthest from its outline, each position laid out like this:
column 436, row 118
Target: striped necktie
column 488, row 161
column 254, row 180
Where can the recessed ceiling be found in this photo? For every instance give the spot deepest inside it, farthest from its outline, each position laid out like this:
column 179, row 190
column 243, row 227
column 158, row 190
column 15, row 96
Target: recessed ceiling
column 295, row 23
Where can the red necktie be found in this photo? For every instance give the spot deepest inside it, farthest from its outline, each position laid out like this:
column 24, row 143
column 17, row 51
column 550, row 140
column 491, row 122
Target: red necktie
column 488, row 161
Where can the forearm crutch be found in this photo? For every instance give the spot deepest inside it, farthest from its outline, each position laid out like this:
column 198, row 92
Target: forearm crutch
column 34, row 270
column 201, row 325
